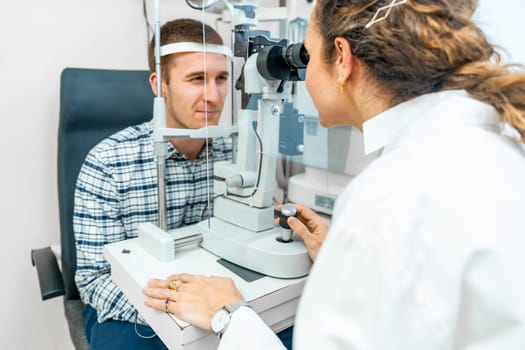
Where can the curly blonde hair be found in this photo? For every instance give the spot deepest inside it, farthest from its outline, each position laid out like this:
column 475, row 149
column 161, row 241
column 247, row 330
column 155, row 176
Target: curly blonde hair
column 425, row 46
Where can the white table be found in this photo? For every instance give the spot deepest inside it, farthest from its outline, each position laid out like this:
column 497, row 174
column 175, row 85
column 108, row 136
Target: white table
column 275, row 300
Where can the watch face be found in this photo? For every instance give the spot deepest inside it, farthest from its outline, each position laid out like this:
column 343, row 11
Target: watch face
column 220, row 320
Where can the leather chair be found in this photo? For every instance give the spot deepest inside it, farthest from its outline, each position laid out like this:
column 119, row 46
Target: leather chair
column 94, row 103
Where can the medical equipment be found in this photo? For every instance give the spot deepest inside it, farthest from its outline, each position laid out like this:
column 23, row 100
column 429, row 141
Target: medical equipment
column 242, row 229
column 285, row 213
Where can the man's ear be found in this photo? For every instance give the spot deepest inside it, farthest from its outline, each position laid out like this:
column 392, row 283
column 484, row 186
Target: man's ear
column 153, row 82
column 344, row 59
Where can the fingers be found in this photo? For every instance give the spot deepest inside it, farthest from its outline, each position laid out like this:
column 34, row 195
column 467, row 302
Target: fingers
column 305, row 221
column 308, row 216
column 175, row 284
column 298, row 227
column 194, row 300
column 310, row 227
column 303, row 211
column 170, row 283
column 167, row 305
column 161, row 299
column 185, row 277
column 159, row 304
column 160, row 293
column 157, row 283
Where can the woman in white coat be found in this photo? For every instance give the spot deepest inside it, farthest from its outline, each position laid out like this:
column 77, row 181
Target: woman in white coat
column 426, row 246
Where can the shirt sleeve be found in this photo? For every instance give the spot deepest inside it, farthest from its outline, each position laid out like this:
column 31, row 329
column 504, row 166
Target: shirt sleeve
column 96, row 222
column 248, row 331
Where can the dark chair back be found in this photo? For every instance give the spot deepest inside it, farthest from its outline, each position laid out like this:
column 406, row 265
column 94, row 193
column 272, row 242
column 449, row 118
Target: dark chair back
column 94, row 103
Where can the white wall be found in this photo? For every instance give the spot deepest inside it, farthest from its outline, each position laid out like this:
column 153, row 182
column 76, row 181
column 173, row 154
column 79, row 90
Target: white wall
column 502, row 21
column 38, row 38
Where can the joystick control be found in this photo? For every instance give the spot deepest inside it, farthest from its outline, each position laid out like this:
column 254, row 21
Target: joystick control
column 286, row 232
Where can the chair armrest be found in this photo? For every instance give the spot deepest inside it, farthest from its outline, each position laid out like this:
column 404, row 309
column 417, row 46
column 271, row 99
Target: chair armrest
column 49, row 275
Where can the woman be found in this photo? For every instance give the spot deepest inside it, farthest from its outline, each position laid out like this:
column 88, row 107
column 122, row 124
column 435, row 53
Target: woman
column 425, row 249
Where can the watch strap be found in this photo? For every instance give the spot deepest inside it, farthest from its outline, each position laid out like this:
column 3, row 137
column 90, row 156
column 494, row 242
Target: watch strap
column 231, row 308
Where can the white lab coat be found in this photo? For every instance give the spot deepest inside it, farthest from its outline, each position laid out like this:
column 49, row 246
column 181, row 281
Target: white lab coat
column 427, row 247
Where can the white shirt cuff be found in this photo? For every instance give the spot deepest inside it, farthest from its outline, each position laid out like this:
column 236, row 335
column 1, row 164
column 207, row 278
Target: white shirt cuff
column 247, row 330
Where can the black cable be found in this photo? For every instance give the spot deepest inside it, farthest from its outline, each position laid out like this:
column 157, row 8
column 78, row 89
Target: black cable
column 205, row 209
column 259, row 171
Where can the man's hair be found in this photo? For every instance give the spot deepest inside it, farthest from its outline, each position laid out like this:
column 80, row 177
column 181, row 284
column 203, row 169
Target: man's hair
column 180, row 30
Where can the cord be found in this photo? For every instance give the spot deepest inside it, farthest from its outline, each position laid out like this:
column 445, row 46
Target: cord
column 137, row 330
column 205, row 209
column 259, row 171
column 149, row 28
column 188, row 2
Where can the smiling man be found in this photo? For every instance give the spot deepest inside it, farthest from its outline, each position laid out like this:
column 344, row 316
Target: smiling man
column 117, row 185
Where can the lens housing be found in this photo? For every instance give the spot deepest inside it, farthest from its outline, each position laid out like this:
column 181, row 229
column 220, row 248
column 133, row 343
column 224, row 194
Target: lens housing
column 283, row 63
column 296, row 55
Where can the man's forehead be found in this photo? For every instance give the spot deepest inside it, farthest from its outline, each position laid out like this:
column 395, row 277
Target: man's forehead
column 193, row 63
column 198, row 59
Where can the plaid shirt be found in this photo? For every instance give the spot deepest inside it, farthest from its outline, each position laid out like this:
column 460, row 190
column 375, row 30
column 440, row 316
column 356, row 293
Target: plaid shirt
column 116, row 190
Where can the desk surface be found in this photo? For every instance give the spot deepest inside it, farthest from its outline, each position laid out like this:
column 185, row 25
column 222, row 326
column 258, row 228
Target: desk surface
column 131, row 267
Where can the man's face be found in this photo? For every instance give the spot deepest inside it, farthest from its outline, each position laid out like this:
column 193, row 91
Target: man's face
column 196, row 92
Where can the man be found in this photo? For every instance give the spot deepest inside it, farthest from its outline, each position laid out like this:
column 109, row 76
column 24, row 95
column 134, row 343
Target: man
column 117, row 185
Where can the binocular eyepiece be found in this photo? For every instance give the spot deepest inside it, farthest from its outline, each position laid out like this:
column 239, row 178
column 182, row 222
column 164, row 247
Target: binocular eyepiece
column 283, row 63
column 296, row 56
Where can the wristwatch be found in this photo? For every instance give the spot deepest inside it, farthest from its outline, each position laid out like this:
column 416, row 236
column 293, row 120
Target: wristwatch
column 221, row 317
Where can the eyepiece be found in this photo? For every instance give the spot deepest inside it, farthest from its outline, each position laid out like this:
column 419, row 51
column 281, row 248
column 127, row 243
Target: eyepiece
column 296, row 55
column 283, row 63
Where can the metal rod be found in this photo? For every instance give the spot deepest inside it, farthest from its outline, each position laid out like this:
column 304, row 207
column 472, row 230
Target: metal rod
column 161, row 191
column 159, row 114
column 157, row 47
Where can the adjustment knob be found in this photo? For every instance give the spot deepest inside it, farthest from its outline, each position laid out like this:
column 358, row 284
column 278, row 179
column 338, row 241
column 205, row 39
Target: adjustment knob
column 286, row 232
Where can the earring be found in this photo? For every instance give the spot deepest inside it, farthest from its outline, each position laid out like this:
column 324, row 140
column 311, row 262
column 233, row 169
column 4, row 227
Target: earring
column 341, row 82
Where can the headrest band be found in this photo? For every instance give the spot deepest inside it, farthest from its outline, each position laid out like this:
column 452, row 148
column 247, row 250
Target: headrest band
column 169, row 49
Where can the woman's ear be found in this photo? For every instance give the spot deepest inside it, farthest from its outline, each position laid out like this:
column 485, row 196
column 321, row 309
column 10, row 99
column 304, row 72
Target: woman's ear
column 343, row 59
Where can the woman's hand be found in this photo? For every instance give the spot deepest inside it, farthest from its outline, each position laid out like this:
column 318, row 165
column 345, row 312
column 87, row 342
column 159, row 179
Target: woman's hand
column 193, row 298
column 310, row 226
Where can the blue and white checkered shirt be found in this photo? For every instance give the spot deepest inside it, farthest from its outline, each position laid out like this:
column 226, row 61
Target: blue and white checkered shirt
column 116, row 190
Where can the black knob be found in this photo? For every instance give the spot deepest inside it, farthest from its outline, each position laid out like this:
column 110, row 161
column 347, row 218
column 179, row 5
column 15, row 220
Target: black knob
column 286, row 232
column 286, row 211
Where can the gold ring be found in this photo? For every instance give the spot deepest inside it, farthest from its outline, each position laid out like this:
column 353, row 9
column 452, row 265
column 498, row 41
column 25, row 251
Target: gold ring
column 175, row 285
column 166, row 304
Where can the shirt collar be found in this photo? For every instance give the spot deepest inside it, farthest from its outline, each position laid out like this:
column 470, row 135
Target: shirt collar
column 175, row 154
column 382, row 129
